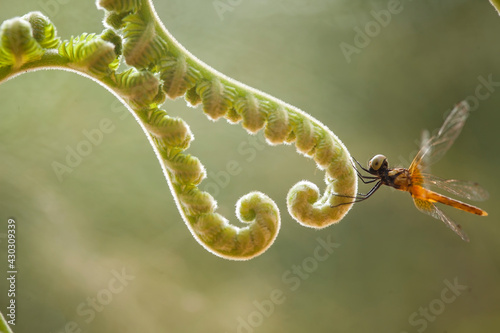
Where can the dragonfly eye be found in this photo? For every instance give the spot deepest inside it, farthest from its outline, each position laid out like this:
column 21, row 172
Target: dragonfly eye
column 377, row 162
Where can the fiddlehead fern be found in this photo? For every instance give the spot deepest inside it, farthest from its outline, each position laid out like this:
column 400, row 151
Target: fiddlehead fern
column 161, row 67
column 496, row 4
column 18, row 45
column 89, row 52
column 43, row 30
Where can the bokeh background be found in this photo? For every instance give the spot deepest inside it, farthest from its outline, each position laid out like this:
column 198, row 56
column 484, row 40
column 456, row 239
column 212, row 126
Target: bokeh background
column 114, row 211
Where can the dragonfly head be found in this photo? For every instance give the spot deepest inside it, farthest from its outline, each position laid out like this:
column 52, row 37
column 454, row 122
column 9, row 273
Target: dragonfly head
column 377, row 164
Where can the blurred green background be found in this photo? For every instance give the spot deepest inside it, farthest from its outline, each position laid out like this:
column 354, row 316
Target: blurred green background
column 115, row 211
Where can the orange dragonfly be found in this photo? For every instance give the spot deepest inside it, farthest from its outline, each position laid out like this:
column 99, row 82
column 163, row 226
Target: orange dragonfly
column 415, row 181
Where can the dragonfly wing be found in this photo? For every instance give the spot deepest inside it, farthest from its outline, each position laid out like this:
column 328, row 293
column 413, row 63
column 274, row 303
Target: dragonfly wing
column 433, row 149
column 425, row 147
column 461, row 188
column 429, row 208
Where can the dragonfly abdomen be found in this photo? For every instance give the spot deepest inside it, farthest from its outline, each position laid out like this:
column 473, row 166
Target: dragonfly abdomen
column 432, row 196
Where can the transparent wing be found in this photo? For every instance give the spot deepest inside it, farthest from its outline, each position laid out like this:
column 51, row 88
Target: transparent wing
column 433, row 149
column 424, row 159
column 429, row 208
column 461, row 188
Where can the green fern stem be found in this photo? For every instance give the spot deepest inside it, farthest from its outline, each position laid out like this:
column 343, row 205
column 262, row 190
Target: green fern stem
column 160, row 67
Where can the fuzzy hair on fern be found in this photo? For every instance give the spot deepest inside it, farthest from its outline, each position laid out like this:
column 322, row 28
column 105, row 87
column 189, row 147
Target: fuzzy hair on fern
column 159, row 67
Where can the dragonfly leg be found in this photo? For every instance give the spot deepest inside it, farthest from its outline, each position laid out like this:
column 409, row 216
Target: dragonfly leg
column 359, row 197
column 362, row 168
column 363, row 178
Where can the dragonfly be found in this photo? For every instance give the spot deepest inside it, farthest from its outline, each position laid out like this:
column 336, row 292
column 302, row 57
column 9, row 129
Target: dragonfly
column 418, row 182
